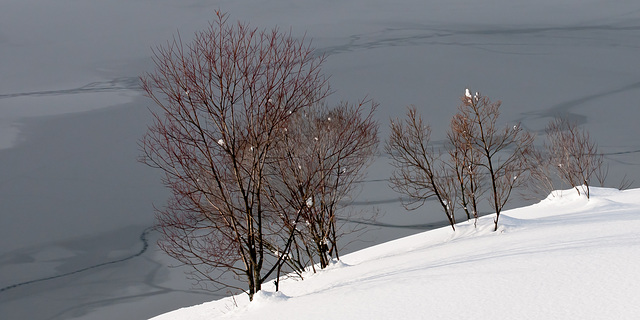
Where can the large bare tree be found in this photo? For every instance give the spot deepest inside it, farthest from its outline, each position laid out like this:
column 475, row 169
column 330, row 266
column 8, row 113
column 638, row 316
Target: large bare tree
column 223, row 100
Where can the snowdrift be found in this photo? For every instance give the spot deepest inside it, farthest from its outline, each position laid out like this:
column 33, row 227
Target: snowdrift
column 566, row 257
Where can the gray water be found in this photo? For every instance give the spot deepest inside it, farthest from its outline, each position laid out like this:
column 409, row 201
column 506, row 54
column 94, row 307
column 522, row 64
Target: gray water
column 75, row 205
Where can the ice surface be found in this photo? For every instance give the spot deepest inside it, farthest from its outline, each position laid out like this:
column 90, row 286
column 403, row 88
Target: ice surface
column 68, row 149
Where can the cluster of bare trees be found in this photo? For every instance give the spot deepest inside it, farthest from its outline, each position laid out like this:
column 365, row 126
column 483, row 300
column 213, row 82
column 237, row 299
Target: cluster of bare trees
column 477, row 157
column 572, row 155
column 257, row 164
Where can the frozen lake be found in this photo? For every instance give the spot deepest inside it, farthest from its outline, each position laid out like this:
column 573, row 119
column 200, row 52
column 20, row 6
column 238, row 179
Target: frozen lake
column 75, row 204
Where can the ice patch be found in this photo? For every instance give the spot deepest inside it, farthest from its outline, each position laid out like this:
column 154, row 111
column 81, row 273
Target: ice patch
column 17, row 109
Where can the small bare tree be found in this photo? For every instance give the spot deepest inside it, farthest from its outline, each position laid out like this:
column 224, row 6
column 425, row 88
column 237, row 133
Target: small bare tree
column 323, row 153
column 224, row 99
column 574, row 155
column 504, row 153
column 464, row 160
column 419, row 171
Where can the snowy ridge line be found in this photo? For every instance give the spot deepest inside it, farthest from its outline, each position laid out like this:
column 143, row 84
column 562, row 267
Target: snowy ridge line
column 117, row 84
column 145, row 246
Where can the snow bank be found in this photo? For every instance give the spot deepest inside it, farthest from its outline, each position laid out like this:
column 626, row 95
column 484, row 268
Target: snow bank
column 565, row 257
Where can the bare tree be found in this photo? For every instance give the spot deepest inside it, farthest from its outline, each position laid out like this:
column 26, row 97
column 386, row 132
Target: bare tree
column 504, row 153
column 324, row 152
column 464, row 160
column 223, row 101
column 419, row 172
column 574, row 154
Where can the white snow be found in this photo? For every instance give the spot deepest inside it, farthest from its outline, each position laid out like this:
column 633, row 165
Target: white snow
column 564, row 258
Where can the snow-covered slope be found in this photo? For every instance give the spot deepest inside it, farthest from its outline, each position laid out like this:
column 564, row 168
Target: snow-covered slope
column 564, row 258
